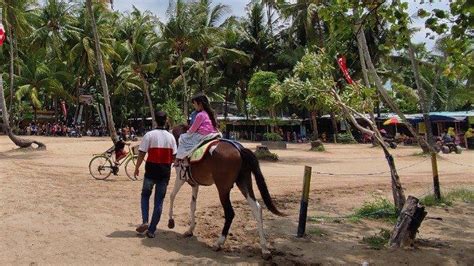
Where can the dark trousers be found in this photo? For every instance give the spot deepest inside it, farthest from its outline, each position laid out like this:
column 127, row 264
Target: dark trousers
column 160, row 191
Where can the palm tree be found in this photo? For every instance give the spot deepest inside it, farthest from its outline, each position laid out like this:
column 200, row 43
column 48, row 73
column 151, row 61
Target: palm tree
column 22, row 143
column 41, row 77
column 207, row 34
column 177, row 38
column 56, row 26
column 103, row 78
column 306, row 23
column 142, row 45
column 17, row 15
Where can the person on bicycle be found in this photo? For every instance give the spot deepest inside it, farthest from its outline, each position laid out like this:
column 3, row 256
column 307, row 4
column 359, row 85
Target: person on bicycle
column 161, row 148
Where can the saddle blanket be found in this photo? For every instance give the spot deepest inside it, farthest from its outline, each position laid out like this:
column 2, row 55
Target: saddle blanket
column 199, row 153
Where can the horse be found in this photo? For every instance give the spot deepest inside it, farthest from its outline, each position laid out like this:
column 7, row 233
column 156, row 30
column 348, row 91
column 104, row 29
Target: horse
column 227, row 165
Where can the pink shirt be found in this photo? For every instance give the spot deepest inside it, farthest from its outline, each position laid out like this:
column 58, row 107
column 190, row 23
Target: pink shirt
column 202, row 124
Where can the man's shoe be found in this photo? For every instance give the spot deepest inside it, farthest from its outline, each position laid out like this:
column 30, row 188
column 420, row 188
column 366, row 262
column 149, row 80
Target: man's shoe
column 115, row 170
column 142, row 228
column 150, row 234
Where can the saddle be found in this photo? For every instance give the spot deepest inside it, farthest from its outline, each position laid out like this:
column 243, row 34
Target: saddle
column 196, row 156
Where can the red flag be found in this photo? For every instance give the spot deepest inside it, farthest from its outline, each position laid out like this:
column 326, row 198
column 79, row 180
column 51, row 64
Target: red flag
column 2, row 34
column 341, row 61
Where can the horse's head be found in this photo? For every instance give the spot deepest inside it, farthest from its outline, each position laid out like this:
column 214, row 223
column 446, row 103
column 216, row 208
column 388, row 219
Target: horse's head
column 179, row 130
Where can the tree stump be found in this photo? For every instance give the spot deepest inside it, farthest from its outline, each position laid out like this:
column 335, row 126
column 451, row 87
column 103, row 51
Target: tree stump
column 410, row 219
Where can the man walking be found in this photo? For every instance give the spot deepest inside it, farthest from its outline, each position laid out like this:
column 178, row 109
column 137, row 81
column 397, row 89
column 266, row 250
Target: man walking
column 161, row 148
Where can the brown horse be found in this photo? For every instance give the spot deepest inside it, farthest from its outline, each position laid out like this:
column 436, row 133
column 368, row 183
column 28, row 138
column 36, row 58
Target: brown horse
column 225, row 166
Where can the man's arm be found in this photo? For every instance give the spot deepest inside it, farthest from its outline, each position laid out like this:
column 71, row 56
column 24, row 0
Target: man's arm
column 141, row 156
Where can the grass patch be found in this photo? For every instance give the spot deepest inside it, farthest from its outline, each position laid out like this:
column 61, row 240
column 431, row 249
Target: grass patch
column 379, row 240
column 430, row 201
column 319, row 149
column 316, row 232
column 380, row 208
column 420, row 153
column 447, row 199
column 266, row 156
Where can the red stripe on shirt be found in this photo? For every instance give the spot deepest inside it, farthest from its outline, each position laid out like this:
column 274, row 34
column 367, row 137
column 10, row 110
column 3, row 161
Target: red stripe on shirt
column 160, row 155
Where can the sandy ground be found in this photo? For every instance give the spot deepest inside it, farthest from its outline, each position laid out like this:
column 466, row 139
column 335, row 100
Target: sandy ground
column 53, row 212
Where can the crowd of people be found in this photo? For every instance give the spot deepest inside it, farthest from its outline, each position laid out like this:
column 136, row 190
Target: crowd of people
column 50, row 129
column 60, row 129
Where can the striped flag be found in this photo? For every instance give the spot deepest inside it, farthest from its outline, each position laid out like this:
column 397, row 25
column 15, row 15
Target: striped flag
column 2, row 34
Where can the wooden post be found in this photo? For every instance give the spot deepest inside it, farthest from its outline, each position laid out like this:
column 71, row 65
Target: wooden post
column 304, row 202
column 434, row 166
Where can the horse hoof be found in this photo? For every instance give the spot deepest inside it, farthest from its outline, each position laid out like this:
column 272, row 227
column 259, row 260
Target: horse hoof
column 188, row 234
column 216, row 248
column 266, row 255
column 171, row 223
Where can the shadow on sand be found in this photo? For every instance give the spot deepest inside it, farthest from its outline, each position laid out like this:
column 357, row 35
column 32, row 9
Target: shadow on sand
column 191, row 249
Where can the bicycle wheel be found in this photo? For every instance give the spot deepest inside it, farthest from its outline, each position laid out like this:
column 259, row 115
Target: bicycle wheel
column 130, row 168
column 100, row 167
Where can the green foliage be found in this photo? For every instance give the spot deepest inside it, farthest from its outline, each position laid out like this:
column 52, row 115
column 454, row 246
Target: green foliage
column 447, row 199
column 266, row 155
column 406, row 98
column 175, row 114
column 379, row 240
column 262, row 94
column 345, row 138
column 241, row 59
column 272, row 136
column 380, row 208
column 312, row 80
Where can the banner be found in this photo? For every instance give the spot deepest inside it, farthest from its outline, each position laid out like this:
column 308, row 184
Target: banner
column 2, row 34
column 341, row 61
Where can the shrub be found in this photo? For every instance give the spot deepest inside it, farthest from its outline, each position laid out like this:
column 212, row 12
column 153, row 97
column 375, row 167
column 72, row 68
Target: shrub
column 272, row 137
column 380, row 208
column 266, row 155
column 345, row 138
column 319, row 148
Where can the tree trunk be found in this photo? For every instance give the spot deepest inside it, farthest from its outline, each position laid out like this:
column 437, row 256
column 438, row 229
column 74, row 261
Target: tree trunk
column 273, row 118
column 103, row 78
column 397, row 189
column 12, row 68
column 22, row 143
column 334, row 126
column 243, row 90
column 185, row 85
column 149, row 101
column 314, row 124
column 378, row 83
column 410, row 219
column 425, row 105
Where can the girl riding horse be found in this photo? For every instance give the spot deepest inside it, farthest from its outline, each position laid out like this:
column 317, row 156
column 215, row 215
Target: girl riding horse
column 204, row 127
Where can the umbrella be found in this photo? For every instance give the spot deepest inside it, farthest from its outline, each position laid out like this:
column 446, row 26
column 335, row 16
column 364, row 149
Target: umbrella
column 391, row 121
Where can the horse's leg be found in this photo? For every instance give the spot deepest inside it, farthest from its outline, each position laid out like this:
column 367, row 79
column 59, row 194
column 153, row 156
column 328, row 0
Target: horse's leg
column 244, row 182
column 193, row 211
column 177, row 186
column 224, row 196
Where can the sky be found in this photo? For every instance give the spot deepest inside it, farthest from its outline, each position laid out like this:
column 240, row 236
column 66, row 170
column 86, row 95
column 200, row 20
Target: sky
column 159, row 7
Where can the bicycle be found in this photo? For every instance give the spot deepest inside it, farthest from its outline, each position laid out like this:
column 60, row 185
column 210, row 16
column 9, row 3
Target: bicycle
column 102, row 166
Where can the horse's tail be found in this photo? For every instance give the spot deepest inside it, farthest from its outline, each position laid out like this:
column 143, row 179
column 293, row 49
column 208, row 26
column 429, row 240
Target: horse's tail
column 250, row 161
